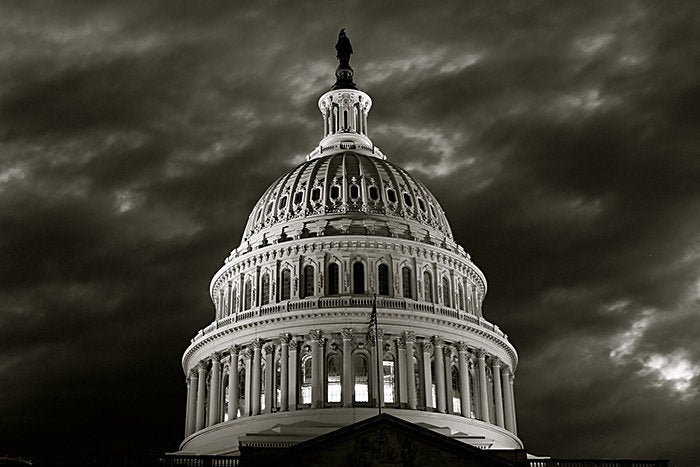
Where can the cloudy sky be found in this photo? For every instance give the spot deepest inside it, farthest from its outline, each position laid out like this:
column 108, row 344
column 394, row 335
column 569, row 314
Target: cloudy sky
column 562, row 139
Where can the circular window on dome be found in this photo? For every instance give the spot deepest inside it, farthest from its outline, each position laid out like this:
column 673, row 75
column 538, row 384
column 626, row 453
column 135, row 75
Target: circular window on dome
column 316, row 194
column 298, row 197
column 391, row 195
column 407, row 200
column 373, row 193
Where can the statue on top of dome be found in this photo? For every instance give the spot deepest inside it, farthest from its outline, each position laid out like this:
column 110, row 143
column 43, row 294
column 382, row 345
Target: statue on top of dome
column 343, row 49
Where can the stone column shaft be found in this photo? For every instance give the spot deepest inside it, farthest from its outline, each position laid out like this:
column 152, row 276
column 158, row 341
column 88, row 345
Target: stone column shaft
column 508, row 400
column 410, row 374
column 483, row 387
column 401, row 379
column 256, row 378
column 201, row 395
column 233, row 394
column 269, row 378
column 284, row 373
column 427, row 377
column 316, row 366
column 464, row 390
column 448, row 380
column 214, row 394
column 191, row 403
column 347, row 368
column 439, row 366
column 497, row 393
column 293, row 372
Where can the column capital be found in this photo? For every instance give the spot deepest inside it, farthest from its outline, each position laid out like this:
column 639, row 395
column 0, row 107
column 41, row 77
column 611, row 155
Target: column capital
column 316, row 334
column 481, row 354
column 447, row 350
column 202, row 366
column 192, row 373
column 438, row 341
column 409, row 336
column 427, row 347
column 215, row 357
column 462, row 347
column 346, row 333
column 285, row 338
column 269, row 349
column 495, row 362
column 257, row 343
column 293, row 344
column 234, row 350
column 400, row 343
column 505, row 370
column 248, row 354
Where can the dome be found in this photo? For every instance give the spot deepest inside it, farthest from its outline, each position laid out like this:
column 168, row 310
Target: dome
column 347, row 193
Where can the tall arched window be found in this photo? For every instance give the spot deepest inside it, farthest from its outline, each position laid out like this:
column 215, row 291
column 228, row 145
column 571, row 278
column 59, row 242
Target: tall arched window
column 278, row 384
column 389, row 377
column 224, row 396
column 460, row 296
column 286, row 289
column 406, row 282
column 383, row 276
column 306, row 377
column 358, row 278
column 446, row 292
column 335, row 368
column 265, row 290
column 333, row 279
column 308, row 281
column 248, row 295
column 428, row 286
column 241, row 391
column 263, row 369
column 456, row 394
column 361, row 376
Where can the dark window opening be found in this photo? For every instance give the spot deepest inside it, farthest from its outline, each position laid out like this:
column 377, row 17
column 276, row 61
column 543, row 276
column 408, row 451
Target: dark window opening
column 407, row 200
column 406, row 281
column 335, row 192
column 308, row 281
column 333, row 279
column 286, row 285
column 383, row 273
column 354, row 191
column 373, row 193
column 391, row 195
column 358, row 278
column 316, row 194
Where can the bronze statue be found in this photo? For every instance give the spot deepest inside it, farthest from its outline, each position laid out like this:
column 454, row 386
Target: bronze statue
column 343, row 49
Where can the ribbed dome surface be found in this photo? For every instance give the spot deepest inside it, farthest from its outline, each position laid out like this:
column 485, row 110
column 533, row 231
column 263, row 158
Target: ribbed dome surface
column 337, row 186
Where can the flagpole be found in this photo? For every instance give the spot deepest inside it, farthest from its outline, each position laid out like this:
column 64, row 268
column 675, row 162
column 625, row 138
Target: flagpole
column 378, row 351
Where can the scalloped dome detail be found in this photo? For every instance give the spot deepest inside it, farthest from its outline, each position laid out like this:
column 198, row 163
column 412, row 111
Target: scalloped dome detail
column 347, row 193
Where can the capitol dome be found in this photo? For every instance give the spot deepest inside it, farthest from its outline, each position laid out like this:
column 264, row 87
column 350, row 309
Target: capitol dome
column 289, row 354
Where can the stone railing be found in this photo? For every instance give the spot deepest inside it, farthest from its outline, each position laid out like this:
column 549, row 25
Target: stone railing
column 596, row 463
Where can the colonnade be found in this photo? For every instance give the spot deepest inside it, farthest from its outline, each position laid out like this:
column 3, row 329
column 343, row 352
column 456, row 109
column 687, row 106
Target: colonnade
column 337, row 369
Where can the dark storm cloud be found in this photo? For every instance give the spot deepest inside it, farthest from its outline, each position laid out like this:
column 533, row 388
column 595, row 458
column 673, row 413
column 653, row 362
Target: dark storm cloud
column 560, row 139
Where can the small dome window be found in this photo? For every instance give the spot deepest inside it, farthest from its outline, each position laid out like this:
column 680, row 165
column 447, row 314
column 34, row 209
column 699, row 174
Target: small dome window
column 373, row 193
column 316, row 194
column 257, row 217
column 335, row 192
column 298, row 197
column 432, row 210
column 269, row 208
column 283, row 202
column 391, row 195
column 421, row 204
column 354, row 191
column 407, row 200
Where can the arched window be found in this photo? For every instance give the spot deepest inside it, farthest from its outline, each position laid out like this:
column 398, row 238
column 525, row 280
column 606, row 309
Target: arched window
column 224, row 396
column 333, row 279
column 306, row 376
column 406, row 282
column 420, row 400
column 278, row 384
column 335, row 368
column 263, row 369
column 433, row 381
column 428, row 286
column 265, row 290
column 446, row 292
column 456, row 394
column 383, row 276
column 308, row 281
column 358, row 278
column 248, row 295
column 389, row 376
column 360, row 368
column 286, row 289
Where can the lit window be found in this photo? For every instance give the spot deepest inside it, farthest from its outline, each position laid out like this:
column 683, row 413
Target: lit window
column 361, row 378
column 306, row 372
column 334, row 372
column 389, row 380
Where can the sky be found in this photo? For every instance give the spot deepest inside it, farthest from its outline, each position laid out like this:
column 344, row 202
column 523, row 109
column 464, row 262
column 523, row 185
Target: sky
column 561, row 138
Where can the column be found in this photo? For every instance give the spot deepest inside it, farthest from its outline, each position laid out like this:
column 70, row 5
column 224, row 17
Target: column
column 508, row 400
column 427, row 377
column 512, row 402
column 410, row 337
column 316, row 367
column 284, row 372
column 214, row 386
column 201, row 394
column 464, row 390
column 497, row 393
column 269, row 350
column 379, row 360
column 191, row 403
column 400, row 379
column 439, row 374
column 293, row 372
column 448, row 379
column 483, row 387
column 247, row 356
column 346, row 333
column 255, row 378
column 233, row 394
